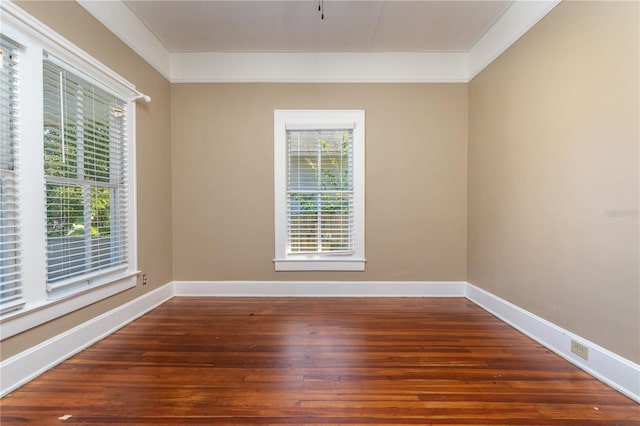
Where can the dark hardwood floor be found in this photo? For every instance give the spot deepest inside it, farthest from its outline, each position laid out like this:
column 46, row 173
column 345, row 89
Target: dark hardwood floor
column 317, row 361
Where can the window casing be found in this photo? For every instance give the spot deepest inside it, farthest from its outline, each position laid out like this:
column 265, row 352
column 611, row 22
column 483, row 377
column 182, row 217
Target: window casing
column 75, row 168
column 85, row 177
column 319, row 190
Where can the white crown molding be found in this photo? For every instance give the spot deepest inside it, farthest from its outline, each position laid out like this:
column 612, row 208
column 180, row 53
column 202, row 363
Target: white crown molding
column 17, row 21
column 361, row 67
column 121, row 21
column 358, row 67
column 519, row 18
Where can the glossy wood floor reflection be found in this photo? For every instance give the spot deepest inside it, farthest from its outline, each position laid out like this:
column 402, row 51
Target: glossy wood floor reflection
column 317, row 361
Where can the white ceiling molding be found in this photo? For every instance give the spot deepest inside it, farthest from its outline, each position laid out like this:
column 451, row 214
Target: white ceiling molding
column 361, row 67
column 382, row 67
column 519, row 18
column 121, row 21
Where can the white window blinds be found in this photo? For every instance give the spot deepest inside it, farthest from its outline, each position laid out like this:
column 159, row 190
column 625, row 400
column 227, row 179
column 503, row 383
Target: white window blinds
column 320, row 191
column 10, row 245
column 85, row 172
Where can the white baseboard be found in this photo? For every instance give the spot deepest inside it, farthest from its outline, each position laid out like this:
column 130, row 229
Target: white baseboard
column 617, row 372
column 27, row 365
column 320, row 288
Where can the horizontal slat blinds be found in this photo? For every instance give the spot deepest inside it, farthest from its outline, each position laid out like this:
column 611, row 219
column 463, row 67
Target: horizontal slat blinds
column 10, row 247
column 320, row 191
column 85, row 171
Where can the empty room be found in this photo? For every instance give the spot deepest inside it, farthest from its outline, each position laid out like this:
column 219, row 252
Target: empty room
column 320, row 212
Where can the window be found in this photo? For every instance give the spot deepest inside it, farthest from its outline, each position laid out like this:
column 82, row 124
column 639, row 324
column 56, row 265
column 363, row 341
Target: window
column 10, row 261
column 319, row 190
column 85, row 175
column 67, row 177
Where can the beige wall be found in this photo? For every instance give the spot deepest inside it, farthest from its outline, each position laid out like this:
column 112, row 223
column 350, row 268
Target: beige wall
column 416, row 153
column 553, row 173
column 153, row 160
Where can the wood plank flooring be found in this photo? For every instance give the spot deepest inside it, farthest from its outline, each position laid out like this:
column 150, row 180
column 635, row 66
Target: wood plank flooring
column 317, row 361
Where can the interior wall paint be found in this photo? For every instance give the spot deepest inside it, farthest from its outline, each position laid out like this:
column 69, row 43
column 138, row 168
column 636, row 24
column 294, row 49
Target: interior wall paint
column 553, row 218
column 553, row 173
column 416, row 162
column 153, row 161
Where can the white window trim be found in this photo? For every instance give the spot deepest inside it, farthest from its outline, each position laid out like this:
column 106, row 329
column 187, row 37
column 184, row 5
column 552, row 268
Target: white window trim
column 284, row 261
column 36, row 38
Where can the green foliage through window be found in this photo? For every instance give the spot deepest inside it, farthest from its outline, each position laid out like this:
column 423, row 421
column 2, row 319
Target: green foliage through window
column 84, row 164
column 320, row 190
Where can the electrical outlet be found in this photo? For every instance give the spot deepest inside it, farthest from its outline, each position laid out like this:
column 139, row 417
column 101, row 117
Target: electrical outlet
column 579, row 349
column 144, row 279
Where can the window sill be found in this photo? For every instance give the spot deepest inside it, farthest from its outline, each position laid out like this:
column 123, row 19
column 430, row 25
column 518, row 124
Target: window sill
column 32, row 316
column 319, row 265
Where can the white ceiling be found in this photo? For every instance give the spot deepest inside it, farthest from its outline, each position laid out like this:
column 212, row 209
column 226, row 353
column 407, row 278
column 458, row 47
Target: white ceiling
column 296, row 26
column 374, row 41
